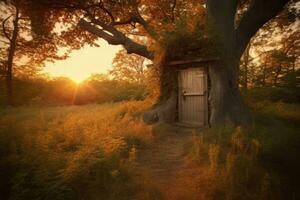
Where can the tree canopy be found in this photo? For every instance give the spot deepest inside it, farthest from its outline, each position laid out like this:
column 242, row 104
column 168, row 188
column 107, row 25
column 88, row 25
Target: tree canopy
column 133, row 23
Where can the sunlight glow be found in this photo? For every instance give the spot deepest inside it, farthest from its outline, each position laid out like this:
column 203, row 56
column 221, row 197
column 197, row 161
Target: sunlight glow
column 78, row 80
column 82, row 63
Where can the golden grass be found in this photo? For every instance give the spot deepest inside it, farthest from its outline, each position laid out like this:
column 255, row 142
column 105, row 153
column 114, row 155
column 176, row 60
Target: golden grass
column 231, row 170
column 88, row 152
column 71, row 152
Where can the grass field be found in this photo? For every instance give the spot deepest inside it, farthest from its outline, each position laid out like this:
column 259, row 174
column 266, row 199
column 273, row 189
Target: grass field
column 69, row 152
column 85, row 152
column 260, row 162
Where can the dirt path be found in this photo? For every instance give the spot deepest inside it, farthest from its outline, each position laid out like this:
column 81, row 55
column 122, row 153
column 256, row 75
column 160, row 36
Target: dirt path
column 167, row 167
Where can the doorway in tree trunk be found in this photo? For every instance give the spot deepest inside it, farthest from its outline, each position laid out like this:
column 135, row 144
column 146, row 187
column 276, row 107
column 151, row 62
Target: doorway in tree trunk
column 184, row 94
column 192, row 97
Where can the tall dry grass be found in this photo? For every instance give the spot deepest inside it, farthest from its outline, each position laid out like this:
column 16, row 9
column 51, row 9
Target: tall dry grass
column 260, row 162
column 230, row 167
column 70, row 152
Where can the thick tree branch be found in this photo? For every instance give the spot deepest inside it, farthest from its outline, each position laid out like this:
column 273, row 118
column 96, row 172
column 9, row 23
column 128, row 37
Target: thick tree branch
column 115, row 37
column 135, row 18
column 139, row 19
column 259, row 13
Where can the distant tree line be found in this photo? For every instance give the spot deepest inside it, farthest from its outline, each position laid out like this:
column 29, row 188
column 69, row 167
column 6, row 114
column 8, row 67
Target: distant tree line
column 63, row 91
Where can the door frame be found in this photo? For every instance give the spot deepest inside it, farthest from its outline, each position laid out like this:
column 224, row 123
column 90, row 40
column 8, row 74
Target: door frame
column 206, row 93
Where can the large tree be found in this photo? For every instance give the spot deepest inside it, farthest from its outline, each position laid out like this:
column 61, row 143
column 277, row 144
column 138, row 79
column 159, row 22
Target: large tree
column 171, row 29
column 130, row 68
column 9, row 38
column 21, row 53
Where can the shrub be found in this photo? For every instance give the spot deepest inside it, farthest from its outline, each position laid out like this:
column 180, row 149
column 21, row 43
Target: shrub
column 287, row 95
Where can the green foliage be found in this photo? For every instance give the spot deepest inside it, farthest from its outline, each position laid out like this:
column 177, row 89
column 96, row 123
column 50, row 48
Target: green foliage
column 274, row 94
column 187, row 39
column 277, row 128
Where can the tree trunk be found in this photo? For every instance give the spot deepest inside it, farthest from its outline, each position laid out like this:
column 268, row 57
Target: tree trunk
column 276, row 75
column 227, row 107
column 10, row 59
column 9, row 94
column 165, row 109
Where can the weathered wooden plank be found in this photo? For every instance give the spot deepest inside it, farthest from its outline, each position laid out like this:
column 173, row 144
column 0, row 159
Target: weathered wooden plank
column 192, row 96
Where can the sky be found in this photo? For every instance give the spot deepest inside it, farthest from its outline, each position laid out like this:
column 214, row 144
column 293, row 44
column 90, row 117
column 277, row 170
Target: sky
column 84, row 62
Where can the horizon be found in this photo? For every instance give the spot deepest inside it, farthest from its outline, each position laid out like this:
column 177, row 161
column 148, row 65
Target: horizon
column 95, row 60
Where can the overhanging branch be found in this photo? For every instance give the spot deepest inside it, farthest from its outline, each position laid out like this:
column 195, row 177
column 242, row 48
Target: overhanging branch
column 137, row 18
column 115, row 37
column 259, row 13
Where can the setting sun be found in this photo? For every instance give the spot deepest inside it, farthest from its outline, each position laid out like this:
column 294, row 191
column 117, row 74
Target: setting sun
column 78, row 80
column 82, row 63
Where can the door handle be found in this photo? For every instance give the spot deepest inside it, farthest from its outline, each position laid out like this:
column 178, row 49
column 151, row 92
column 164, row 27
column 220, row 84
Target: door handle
column 183, row 94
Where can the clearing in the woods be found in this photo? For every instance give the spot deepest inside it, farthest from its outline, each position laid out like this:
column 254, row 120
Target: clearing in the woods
column 107, row 152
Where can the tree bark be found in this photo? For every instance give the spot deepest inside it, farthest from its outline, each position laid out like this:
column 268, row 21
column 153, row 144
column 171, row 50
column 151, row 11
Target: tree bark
column 165, row 109
column 227, row 107
column 226, row 104
column 115, row 37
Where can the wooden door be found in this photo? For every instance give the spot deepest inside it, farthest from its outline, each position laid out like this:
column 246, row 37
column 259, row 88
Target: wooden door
column 192, row 96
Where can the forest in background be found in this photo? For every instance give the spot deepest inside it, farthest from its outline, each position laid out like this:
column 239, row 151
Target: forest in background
column 64, row 91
